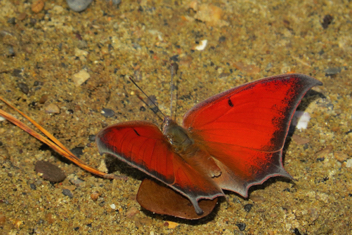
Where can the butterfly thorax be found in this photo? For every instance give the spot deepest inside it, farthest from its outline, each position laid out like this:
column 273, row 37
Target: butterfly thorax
column 176, row 135
column 188, row 150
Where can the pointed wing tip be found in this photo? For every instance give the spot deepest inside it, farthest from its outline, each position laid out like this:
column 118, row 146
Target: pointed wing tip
column 280, row 173
column 310, row 81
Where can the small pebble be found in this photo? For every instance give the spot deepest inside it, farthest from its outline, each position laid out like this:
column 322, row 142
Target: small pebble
column 108, row 112
column 81, row 54
column 102, row 167
column 222, row 39
column 52, row 108
column 24, row 87
column 67, row 192
column 91, row 138
column 296, row 231
column 75, row 180
column 17, row 73
column 332, row 71
column 78, row 5
column 94, row 196
column 201, row 46
column 12, row 20
column 80, row 77
column 43, row 99
column 82, row 44
column 22, row 16
column 33, row 186
column 241, row 226
column 37, row 6
column 349, row 163
column 50, row 172
column 113, row 2
column 300, row 140
column 300, row 120
column 131, row 212
column 77, row 151
column 248, row 207
column 257, row 198
column 250, row 69
column 327, row 21
column 171, row 224
column 324, row 152
column 113, row 206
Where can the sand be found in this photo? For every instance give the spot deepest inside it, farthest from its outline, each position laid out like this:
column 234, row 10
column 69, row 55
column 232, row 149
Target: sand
column 43, row 51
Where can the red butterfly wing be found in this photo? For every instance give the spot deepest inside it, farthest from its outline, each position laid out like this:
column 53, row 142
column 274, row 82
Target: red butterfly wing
column 143, row 146
column 244, row 128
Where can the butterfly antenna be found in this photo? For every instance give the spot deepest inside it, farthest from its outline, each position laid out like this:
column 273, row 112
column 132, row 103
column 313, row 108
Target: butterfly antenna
column 155, row 109
column 173, row 71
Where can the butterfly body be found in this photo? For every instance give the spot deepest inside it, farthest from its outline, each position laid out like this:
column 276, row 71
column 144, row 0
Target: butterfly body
column 230, row 141
column 188, row 150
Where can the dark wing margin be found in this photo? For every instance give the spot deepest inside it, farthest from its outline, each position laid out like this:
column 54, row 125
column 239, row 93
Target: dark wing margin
column 245, row 128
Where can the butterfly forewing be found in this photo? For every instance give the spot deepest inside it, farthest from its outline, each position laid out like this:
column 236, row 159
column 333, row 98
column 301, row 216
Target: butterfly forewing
column 245, row 127
column 142, row 145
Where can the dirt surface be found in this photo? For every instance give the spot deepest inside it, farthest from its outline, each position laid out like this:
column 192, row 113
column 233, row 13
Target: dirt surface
column 43, row 50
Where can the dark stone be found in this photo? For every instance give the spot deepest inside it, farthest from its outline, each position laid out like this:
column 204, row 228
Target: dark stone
column 296, row 231
column 222, row 39
column 174, row 58
column 33, row 186
column 11, row 20
column 67, row 192
column 248, row 207
column 108, row 112
column 241, row 226
column 17, row 73
column 91, row 138
column 327, row 21
column 50, row 172
column 332, row 71
column 77, row 151
column 24, row 88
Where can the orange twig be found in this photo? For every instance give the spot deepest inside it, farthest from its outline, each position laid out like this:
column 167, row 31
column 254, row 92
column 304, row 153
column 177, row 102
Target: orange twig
column 54, row 143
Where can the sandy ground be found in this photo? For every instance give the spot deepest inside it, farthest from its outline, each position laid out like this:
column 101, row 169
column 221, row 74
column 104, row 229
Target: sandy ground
column 246, row 40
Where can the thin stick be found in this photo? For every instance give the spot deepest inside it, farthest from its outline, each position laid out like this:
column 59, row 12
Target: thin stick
column 54, row 143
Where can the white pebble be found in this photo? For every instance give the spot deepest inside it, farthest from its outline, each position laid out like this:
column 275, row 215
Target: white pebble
column 300, row 120
column 52, row 108
column 80, row 77
column 201, row 45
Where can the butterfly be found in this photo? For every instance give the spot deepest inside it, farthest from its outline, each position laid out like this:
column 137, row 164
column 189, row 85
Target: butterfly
column 230, row 141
